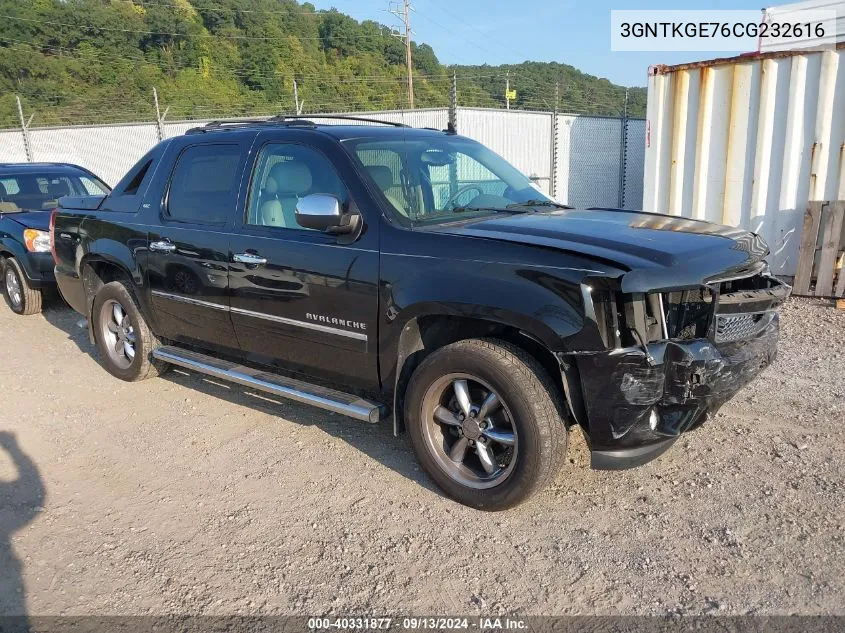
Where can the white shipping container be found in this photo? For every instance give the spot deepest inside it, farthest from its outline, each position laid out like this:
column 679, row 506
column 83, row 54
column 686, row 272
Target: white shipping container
column 748, row 141
column 797, row 13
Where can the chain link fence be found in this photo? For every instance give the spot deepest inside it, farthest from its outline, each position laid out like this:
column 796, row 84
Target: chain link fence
column 580, row 160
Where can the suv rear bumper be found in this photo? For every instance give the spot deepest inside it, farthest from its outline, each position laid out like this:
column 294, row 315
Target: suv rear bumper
column 636, row 407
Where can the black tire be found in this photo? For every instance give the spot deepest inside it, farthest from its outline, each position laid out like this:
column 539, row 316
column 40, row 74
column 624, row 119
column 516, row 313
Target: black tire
column 141, row 365
column 532, row 411
column 22, row 299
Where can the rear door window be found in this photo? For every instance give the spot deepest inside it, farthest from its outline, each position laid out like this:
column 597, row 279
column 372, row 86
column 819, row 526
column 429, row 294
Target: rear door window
column 204, row 184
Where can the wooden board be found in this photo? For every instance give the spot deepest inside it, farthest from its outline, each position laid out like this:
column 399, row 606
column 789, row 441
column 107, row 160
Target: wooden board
column 840, row 304
column 840, row 285
column 807, row 249
column 831, row 234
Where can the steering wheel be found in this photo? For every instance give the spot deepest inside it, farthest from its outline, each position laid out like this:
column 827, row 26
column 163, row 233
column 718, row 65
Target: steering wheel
column 450, row 203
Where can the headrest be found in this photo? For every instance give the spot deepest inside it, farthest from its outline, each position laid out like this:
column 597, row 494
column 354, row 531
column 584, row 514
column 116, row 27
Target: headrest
column 270, row 185
column 382, row 176
column 58, row 189
column 292, row 177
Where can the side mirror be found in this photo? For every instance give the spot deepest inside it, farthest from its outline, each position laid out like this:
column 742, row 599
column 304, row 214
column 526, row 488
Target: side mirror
column 319, row 211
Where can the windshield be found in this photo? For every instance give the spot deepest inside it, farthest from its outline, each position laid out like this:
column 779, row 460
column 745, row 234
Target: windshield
column 434, row 179
column 34, row 191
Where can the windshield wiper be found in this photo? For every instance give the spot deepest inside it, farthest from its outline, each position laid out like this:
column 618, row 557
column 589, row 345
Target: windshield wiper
column 508, row 209
column 538, row 203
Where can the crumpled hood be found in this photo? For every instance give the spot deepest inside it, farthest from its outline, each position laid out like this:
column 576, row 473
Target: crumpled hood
column 658, row 251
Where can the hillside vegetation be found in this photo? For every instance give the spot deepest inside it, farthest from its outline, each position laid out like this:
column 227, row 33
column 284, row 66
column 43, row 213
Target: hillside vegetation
column 83, row 61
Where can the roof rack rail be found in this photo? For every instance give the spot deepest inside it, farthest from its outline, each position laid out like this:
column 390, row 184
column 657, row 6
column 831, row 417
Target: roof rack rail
column 343, row 117
column 216, row 126
column 283, row 119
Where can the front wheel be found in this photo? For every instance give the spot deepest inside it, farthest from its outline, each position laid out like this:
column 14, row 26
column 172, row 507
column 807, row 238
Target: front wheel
column 123, row 337
column 21, row 298
column 485, row 423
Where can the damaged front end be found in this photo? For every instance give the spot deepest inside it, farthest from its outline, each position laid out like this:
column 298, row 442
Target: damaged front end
column 672, row 359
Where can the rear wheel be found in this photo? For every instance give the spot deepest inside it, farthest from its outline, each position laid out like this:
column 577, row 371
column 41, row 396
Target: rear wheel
column 123, row 337
column 22, row 299
column 485, row 423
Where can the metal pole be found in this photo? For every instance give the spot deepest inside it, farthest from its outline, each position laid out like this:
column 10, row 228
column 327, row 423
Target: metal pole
column 27, row 146
column 554, row 143
column 453, row 105
column 452, row 128
column 623, row 151
column 508, row 90
column 296, row 98
column 408, row 54
column 159, row 122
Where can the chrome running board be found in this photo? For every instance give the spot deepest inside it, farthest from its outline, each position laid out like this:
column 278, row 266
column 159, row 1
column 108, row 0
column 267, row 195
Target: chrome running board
column 290, row 388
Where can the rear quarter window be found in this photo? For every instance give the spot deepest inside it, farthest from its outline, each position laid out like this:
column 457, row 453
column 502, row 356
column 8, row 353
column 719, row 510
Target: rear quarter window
column 203, row 186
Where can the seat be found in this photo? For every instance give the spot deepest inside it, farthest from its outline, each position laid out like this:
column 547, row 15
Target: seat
column 292, row 180
column 270, row 211
column 383, row 177
column 56, row 190
column 5, row 205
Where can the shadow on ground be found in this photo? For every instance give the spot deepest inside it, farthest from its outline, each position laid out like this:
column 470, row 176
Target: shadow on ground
column 374, row 440
column 20, row 501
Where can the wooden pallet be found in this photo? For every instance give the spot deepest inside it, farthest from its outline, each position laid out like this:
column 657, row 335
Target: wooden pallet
column 821, row 242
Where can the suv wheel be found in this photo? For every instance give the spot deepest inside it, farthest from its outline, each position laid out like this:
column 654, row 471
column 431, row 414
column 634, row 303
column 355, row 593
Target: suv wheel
column 123, row 337
column 485, row 423
column 21, row 298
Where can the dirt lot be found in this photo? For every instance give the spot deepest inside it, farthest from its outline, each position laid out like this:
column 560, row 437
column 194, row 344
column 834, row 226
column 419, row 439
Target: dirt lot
column 183, row 495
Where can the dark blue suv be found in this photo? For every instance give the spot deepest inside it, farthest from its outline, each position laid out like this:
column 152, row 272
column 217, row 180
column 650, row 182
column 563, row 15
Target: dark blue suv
column 28, row 192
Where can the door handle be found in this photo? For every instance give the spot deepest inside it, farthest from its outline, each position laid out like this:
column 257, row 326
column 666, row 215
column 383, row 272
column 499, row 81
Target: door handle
column 249, row 258
column 163, row 246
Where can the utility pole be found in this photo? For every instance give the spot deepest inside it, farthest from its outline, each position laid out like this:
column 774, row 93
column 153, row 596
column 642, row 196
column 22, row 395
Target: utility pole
column 403, row 12
column 508, row 90
column 27, row 146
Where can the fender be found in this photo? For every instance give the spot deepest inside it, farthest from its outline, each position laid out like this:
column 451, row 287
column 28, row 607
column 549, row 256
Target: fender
column 10, row 247
column 413, row 340
column 535, row 301
column 117, row 255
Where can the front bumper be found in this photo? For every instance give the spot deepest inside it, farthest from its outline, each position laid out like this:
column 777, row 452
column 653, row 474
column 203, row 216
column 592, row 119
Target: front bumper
column 637, row 407
column 38, row 268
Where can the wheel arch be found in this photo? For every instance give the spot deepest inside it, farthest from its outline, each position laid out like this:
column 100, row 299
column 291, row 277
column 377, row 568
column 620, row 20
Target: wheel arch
column 96, row 270
column 423, row 334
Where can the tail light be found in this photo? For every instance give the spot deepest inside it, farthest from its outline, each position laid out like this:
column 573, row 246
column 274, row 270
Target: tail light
column 53, row 235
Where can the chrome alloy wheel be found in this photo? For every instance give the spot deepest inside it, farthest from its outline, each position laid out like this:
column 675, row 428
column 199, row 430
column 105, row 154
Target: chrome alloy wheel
column 118, row 333
column 13, row 288
column 469, row 431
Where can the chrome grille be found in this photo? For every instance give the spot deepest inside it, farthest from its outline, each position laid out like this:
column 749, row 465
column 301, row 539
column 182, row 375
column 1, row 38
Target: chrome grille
column 735, row 327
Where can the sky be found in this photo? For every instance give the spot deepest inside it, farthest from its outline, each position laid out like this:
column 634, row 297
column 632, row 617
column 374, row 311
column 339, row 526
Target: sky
column 574, row 32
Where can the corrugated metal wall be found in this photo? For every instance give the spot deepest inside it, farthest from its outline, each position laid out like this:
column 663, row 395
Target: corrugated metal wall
column 748, row 142
column 588, row 148
column 524, row 138
column 800, row 12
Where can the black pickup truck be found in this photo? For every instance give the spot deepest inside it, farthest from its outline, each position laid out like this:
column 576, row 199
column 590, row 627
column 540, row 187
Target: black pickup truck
column 376, row 270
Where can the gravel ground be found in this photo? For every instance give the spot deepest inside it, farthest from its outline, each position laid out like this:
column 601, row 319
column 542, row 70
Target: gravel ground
column 185, row 495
